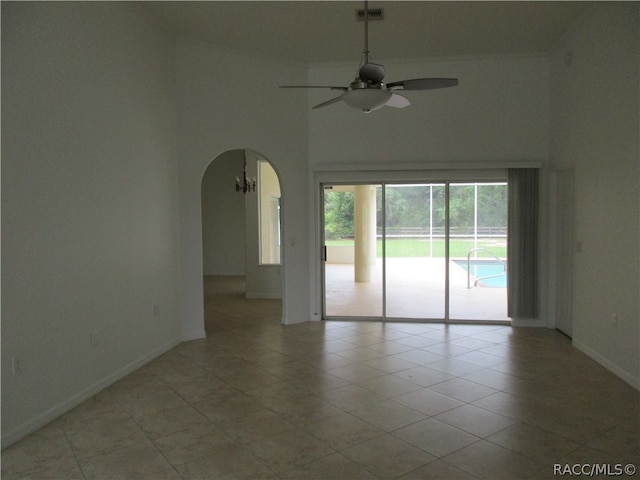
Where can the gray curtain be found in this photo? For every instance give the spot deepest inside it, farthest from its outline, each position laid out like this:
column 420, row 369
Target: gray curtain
column 522, row 248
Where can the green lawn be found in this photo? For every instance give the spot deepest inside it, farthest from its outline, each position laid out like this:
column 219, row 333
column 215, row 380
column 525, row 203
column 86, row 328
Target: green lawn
column 413, row 247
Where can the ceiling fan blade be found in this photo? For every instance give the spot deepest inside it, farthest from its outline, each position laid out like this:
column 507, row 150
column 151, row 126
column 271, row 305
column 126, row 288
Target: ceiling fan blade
column 398, row 101
column 371, row 73
column 329, row 102
column 423, row 84
column 344, row 89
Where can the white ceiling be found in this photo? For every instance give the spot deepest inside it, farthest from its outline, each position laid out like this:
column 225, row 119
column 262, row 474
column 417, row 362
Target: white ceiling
column 327, row 31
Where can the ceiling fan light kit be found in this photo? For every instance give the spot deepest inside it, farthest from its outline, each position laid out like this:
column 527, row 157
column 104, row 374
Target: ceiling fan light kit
column 367, row 92
column 367, row 99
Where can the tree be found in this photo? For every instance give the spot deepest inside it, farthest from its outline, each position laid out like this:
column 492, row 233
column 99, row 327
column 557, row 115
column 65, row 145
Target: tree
column 492, row 206
column 461, row 208
column 338, row 215
column 408, row 206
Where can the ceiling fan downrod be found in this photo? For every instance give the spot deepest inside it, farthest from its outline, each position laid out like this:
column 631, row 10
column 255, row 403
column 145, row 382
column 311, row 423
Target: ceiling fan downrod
column 368, row 92
column 366, row 32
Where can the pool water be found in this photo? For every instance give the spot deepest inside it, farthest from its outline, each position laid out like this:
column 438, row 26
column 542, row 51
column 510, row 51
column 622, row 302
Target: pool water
column 485, row 268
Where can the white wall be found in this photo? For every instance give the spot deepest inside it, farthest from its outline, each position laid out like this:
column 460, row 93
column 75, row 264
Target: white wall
column 227, row 101
column 89, row 203
column 498, row 112
column 594, row 123
column 223, row 217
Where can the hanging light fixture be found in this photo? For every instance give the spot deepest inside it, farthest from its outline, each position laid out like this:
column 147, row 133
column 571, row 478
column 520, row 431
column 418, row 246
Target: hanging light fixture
column 246, row 185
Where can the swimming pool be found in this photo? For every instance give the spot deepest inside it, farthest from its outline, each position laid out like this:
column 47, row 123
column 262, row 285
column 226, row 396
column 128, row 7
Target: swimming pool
column 486, row 268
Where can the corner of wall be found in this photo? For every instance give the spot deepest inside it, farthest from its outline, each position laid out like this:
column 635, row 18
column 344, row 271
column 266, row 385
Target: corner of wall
column 620, row 372
column 43, row 418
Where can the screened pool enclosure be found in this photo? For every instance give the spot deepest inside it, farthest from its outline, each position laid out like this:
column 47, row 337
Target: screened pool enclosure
column 420, row 252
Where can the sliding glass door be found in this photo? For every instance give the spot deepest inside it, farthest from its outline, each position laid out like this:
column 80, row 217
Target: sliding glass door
column 353, row 272
column 478, row 251
column 415, row 251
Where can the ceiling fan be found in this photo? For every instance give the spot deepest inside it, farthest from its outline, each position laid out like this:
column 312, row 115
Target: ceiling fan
column 368, row 92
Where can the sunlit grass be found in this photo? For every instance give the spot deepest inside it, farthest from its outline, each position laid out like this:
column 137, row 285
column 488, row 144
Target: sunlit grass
column 414, row 247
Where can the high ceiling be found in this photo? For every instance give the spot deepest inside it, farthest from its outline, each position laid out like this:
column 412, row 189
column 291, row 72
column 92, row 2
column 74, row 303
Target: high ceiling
column 327, row 31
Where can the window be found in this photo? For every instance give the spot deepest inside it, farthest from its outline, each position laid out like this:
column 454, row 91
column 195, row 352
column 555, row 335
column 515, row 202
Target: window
column 269, row 218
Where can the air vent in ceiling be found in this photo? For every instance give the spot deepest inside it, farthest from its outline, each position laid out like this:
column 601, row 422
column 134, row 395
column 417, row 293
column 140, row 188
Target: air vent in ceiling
column 374, row 14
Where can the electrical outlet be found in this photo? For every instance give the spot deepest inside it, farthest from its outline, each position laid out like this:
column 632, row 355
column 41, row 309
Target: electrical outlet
column 15, row 366
column 156, row 310
column 614, row 319
column 94, row 339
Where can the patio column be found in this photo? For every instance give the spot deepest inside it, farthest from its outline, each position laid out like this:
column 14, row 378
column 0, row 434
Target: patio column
column 365, row 231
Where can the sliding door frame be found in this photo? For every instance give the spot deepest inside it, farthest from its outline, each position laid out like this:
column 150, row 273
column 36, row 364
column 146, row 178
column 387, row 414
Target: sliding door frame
column 323, row 255
column 383, row 179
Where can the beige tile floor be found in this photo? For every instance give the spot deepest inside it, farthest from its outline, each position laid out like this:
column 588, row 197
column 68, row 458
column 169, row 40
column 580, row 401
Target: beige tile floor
column 342, row 400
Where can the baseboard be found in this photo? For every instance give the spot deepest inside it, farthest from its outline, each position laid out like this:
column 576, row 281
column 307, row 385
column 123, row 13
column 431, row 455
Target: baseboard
column 54, row 412
column 193, row 335
column 286, row 321
column 606, row 363
column 528, row 322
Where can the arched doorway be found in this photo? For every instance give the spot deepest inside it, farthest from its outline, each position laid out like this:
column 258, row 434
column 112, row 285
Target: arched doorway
column 241, row 226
